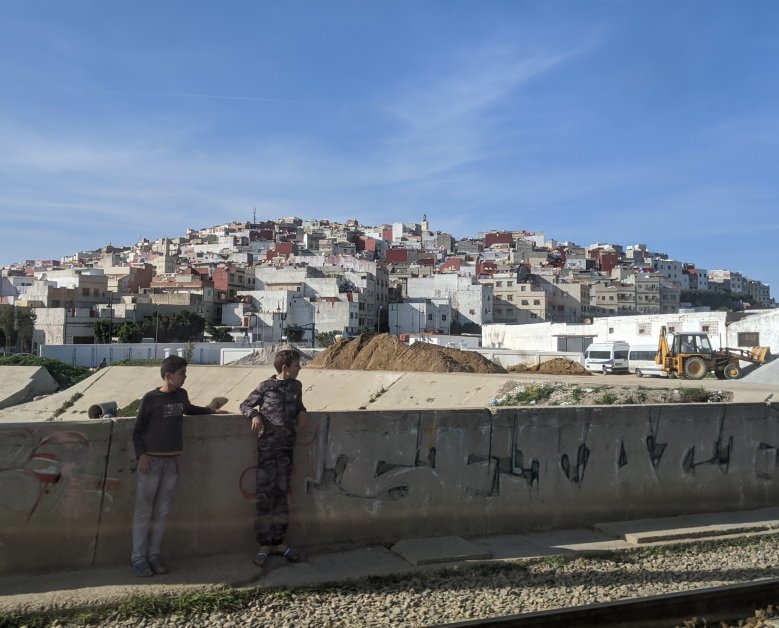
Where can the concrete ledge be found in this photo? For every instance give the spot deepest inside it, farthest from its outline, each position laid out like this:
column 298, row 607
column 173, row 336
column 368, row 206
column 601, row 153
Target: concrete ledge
column 439, row 549
column 698, row 526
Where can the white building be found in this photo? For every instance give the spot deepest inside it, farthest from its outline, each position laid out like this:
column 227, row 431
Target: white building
column 469, row 301
column 745, row 330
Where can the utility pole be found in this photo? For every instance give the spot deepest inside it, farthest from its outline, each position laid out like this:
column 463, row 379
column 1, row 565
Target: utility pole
column 111, row 318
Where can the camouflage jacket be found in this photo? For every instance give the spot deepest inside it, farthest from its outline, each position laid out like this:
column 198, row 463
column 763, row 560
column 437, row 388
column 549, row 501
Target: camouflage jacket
column 278, row 403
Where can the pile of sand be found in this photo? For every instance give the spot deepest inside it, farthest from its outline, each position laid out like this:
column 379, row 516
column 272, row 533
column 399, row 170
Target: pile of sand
column 555, row 366
column 768, row 373
column 385, row 352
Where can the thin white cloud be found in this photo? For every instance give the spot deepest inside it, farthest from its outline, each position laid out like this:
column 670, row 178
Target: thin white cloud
column 197, row 96
column 449, row 122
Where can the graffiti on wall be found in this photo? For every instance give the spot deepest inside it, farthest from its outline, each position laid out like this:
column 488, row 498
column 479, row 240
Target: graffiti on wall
column 392, row 469
column 44, row 471
column 388, row 477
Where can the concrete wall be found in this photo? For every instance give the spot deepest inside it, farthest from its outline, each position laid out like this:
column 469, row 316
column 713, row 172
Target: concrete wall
column 508, row 358
column 91, row 355
column 67, row 489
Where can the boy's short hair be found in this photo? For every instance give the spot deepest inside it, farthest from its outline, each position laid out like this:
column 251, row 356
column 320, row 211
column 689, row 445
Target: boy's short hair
column 171, row 364
column 285, row 358
column 95, row 411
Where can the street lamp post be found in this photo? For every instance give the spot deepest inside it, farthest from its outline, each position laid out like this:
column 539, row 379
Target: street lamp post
column 110, row 319
column 156, row 328
column 257, row 324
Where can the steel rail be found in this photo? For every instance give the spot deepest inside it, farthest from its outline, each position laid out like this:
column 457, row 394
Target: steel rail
column 714, row 603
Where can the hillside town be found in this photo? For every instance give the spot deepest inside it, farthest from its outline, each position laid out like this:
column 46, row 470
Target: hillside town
column 264, row 281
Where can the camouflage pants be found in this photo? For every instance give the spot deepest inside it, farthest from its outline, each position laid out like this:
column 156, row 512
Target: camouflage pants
column 274, row 467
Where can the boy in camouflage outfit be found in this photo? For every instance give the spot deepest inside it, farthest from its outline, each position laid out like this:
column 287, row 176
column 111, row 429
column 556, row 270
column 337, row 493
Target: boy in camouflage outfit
column 274, row 408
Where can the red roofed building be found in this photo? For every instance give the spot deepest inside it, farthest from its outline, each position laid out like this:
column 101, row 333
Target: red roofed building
column 498, row 238
column 365, row 243
column 486, row 269
column 282, row 249
column 452, row 264
column 396, row 256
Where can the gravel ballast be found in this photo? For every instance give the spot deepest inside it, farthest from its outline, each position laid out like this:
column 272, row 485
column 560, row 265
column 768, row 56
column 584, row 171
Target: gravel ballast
column 487, row 589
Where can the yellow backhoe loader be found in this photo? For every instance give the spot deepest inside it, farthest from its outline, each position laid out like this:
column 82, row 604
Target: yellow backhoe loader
column 689, row 354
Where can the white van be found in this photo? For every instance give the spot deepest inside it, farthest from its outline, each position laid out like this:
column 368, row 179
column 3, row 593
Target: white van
column 607, row 357
column 641, row 361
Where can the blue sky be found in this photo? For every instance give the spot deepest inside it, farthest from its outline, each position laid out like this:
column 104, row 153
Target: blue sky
column 610, row 121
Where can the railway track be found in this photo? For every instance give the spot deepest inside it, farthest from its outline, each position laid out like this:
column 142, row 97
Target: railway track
column 715, row 604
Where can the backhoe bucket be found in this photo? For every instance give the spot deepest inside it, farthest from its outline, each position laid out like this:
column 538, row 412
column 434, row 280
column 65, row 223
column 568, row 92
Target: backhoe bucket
column 760, row 354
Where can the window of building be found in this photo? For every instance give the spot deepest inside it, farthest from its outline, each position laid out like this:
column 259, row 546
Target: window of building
column 498, row 284
column 443, row 317
column 748, row 339
column 509, row 283
column 472, row 311
column 95, row 292
column 536, row 301
column 524, row 302
column 510, row 297
column 561, row 308
column 430, row 317
column 84, row 292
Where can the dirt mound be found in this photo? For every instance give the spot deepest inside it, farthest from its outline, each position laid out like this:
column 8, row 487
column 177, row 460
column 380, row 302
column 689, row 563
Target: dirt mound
column 555, row 366
column 385, row 352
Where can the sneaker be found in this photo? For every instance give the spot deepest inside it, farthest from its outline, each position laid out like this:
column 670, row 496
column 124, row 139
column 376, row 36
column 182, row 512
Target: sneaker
column 157, row 566
column 142, row 569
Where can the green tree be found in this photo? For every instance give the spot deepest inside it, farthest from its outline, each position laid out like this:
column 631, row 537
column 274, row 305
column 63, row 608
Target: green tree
column 293, row 333
column 464, row 328
column 129, row 332
column 102, row 330
column 16, row 327
column 219, row 334
column 178, row 327
column 715, row 299
column 326, row 338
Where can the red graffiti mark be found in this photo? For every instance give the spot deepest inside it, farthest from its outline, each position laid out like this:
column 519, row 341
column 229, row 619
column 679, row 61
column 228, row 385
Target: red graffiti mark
column 247, row 495
column 59, row 467
column 302, row 425
column 65, row 438
column 311, row 441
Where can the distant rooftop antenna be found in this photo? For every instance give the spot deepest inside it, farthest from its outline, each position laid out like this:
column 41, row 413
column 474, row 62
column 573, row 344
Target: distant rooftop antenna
column 254, row 221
